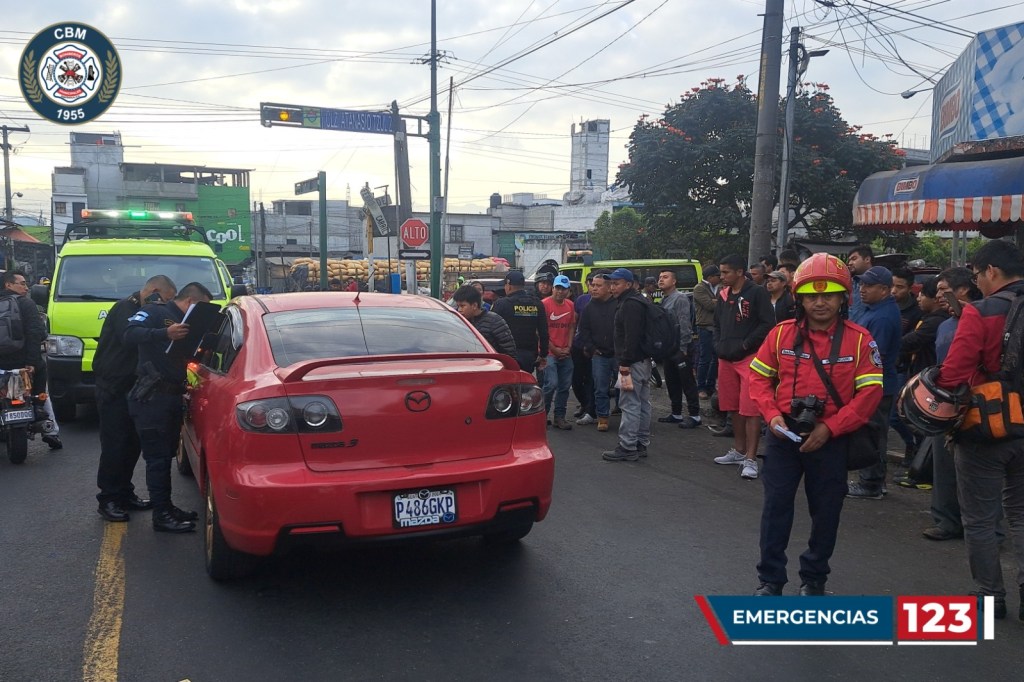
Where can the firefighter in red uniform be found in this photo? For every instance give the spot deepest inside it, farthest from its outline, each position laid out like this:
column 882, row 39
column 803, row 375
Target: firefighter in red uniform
column 810, row 429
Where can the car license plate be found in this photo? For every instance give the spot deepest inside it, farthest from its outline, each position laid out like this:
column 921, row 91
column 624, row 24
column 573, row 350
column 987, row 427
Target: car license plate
column 424, row 508
column 18, row 416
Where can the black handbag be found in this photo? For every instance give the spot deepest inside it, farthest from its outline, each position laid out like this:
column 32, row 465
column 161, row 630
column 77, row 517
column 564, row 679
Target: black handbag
column 862, row 444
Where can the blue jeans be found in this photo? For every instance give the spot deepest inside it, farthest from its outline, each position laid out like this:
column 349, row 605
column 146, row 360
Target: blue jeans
column 604, row 369
column 707, row 362
column 557, row 381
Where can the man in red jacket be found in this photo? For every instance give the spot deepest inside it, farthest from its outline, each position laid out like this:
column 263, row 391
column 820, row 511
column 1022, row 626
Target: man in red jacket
column 989, row 474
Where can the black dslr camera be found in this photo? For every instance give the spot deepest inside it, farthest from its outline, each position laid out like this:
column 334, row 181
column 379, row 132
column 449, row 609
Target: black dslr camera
column 805, row 412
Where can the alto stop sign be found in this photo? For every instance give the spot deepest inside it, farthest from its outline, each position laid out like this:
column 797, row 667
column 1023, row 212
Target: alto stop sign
column 414, row 233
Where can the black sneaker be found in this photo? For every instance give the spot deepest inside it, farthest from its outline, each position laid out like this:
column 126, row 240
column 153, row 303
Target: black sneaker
column 183, row 515
column 768, row 590
column 54, row 442
column 689, row 422
column 641, row 450
column 670, row 419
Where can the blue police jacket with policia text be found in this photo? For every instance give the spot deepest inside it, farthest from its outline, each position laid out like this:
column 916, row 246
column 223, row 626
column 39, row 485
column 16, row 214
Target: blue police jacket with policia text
column 147, row 329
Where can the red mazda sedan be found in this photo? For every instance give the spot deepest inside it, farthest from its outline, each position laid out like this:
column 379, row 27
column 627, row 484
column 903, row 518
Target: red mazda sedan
column 358, row 417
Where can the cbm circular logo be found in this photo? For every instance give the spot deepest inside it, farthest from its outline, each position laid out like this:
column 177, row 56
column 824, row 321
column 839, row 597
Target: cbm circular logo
column 70, row 73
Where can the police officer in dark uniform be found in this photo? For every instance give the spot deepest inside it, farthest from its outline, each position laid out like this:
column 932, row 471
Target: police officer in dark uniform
column 154, row 403
column 525, row 316
column 114, row 371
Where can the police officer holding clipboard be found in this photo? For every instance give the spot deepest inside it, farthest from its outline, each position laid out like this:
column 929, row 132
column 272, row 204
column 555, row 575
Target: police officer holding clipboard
column 816, row 379
column 155, row 402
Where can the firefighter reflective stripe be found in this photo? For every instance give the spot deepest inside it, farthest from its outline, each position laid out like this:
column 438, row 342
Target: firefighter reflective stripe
column 763, row 369
column 863, row 380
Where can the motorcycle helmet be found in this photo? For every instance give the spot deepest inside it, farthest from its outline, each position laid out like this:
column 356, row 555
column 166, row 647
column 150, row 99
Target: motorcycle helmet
column 822, row 273
column 927, row 407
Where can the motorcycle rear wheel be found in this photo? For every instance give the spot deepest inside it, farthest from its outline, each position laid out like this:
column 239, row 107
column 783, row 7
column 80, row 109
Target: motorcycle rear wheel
column 17, row 444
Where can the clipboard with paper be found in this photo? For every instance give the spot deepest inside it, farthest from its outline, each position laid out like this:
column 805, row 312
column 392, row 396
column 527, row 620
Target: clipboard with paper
column 201, row 318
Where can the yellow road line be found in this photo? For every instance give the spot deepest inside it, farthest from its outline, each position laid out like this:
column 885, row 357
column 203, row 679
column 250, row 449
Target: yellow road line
column 103, row 635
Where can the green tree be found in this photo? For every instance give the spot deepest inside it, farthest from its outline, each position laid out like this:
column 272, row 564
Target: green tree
column 622, row 234
column 692, row 169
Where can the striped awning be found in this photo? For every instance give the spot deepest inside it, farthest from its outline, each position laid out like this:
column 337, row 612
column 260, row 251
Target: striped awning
column 952, row 196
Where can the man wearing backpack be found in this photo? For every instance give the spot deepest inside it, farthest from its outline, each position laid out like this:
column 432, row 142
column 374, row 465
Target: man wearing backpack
column 634, row 370
column 21, row 327
column 990, row 471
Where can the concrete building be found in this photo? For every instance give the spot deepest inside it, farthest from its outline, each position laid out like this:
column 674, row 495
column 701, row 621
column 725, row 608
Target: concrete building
column 99, row 177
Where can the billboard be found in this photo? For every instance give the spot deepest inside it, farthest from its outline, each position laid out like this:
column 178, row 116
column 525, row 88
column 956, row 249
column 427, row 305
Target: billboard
column 981, row 96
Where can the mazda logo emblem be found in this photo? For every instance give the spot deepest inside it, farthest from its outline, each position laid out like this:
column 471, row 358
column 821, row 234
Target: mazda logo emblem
column 417, row 401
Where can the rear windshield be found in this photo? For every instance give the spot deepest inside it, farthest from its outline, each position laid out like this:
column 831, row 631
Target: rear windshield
column 111, row 278
column 299, row 335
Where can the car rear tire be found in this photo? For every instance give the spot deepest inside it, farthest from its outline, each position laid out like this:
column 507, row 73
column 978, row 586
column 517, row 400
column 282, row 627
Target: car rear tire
column 17, row 444
column 181, row 458
column 222, row 562
column 509, row 536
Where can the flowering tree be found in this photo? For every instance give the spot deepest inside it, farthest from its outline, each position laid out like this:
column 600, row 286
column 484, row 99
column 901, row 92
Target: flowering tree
column 692, row 169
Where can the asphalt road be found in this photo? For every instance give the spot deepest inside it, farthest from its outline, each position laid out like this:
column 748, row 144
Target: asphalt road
column 602, row 590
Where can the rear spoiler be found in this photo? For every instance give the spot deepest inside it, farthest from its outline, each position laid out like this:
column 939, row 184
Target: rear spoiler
column 299, row 370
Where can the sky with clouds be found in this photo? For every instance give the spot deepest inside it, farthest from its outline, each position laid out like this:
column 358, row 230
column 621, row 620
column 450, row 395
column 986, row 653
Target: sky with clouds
column 524, row 72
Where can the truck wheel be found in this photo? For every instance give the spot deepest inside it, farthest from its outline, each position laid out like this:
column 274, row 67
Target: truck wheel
column 17, row 444
column 64, row 409
column 222, row 562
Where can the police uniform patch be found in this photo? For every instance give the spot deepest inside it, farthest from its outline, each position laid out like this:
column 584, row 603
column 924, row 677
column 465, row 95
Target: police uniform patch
column 876, row 356
column 70, row 73
column 139, row 316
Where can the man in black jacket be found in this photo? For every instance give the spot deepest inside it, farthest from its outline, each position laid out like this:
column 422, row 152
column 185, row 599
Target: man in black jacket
column 597, row 338
column 525, row 317
column 114, row 370
column 634, row 371
column 492, row 327
column 29, row 329
column 742, row 322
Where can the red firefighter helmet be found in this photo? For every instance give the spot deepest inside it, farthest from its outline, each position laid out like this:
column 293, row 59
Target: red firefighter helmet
column 929, row 408
column 822, row 273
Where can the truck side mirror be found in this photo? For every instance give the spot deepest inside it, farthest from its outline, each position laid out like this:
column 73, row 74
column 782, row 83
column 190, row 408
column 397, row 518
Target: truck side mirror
column 238, row 290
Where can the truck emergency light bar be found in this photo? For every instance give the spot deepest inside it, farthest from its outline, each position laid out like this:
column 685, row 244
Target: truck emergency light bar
column 177, row 216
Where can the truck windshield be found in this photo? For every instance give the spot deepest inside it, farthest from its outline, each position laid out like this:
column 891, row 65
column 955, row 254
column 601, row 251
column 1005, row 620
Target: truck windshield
column 111, row 278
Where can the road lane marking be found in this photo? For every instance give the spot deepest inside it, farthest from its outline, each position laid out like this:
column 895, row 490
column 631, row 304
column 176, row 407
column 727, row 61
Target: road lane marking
column 103, row 634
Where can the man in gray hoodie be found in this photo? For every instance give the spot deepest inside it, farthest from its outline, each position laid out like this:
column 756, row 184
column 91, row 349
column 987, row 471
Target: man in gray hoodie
column 678, row 370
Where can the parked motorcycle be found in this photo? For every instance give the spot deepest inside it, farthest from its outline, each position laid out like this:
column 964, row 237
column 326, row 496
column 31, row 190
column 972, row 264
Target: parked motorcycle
column 22, row 414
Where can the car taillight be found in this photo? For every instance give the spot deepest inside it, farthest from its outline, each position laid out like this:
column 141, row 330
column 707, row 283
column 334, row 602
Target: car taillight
column 297, row 414
column 515, row 400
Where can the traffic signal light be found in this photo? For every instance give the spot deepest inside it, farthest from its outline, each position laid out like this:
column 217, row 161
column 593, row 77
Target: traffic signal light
column 280, row 114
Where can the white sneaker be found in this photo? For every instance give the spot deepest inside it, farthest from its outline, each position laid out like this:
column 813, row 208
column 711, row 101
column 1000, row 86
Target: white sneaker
column 734, row 456
column 748, row 469
column 586, row 419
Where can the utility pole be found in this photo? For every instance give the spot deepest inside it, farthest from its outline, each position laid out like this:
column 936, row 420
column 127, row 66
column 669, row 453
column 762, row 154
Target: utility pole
column 8, row 210
column 787, row 139
column 434, row 137
column 767, row 123
column 798, row 60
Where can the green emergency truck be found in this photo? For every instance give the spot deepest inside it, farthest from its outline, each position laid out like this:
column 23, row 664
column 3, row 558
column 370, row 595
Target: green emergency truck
column 106, row 256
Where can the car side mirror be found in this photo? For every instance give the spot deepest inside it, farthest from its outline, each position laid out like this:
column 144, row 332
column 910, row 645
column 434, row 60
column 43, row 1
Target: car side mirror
column 205, row 352
column 40, row 295
column 238, row 290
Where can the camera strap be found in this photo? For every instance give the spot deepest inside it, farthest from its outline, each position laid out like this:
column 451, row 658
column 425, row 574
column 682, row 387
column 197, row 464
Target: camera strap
column 837, row 342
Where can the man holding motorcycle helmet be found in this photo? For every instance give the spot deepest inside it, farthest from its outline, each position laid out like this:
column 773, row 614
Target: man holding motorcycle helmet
column 816, row 380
